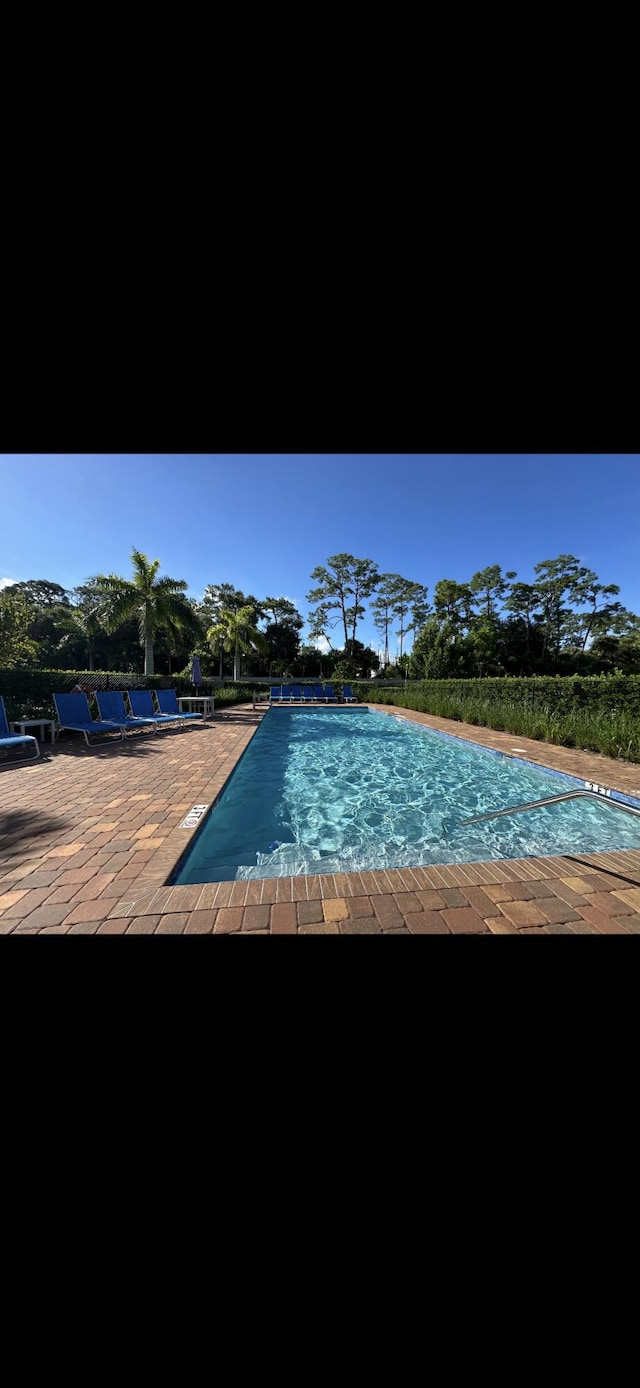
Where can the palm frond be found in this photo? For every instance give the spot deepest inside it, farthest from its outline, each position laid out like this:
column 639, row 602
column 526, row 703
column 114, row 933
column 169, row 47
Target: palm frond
column 171, row 608
column 145, row 569
column 119, row 608
column 113, row 583
column 170, row 586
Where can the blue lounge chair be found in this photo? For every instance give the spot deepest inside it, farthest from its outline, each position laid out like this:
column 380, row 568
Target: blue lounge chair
column 308, row 694
column 142, row 707
column 348, row 697
column 9, row 739
column 296, row 691
column 168, row 703
column 286, row 692
column 329, row 696
column 112, row 707
column 275, row 694
column 74, row 713
column 318, row 692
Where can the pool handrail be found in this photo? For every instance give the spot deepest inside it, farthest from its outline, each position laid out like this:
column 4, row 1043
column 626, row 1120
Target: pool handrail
column 449, row 825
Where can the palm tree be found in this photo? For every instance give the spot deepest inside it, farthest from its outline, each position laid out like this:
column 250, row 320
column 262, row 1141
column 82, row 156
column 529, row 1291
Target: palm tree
column 156, row 602
column 235, row 633
column 217, row 636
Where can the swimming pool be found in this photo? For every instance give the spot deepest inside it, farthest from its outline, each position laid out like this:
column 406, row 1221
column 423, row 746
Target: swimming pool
column 342, row 790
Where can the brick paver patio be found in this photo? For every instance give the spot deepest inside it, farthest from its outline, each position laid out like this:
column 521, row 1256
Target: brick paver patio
column 88, row 838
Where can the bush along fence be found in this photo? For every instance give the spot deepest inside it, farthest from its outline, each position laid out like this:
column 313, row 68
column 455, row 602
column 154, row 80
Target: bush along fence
column 598, row 713
column 29, row 693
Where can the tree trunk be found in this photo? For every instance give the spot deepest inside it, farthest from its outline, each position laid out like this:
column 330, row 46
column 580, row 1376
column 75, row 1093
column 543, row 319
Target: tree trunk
column 236, row 663
column 221, row 662
column 344, row 623
column 148, row 653
column 588, row 631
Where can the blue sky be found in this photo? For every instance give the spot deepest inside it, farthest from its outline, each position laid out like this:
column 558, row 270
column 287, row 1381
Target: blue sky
column 264, row 522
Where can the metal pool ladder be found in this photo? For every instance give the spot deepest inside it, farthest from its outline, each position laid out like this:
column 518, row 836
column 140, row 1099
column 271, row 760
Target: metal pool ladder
column 449, row 825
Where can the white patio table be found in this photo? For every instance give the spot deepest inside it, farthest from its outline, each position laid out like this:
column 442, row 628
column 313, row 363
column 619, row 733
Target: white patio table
column 197, row 703
column 21, row 725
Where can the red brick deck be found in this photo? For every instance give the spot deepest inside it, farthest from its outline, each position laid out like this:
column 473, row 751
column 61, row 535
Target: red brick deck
column 88, row 839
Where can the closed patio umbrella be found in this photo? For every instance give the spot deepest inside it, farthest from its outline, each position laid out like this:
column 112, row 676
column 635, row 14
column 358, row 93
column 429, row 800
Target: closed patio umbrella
column 196, row 673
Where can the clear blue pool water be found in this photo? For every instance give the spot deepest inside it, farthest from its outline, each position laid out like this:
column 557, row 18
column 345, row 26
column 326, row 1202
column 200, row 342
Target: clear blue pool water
column 328, row 790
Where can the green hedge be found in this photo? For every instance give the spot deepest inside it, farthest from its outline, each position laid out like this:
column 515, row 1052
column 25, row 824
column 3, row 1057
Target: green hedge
column 606, row 693
column 29, row 693
column 225, row 695
column 598, row 714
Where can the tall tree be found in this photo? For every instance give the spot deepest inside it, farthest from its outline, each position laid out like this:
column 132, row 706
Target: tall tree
column 489, row 587
column 223, row 597
column 342, row 586
column 453, row 603
column 16, row 647
column 155, row 602
column 433, row 656
column 486, row 636
column 40, row 592
column 320, row 624
column 557, row 586
column 382, row 609
column 420, row 609
column 87, row 617
column 52, row 628
column 599, row 616
column 522, row 602
column 309, row 661
column 407, row 596
column 282, row 632
column 218, row 600
column 239, row 636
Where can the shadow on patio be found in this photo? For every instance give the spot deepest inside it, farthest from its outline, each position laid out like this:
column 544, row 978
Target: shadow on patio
column 587, row 867
column 26, row 826
column 134, row 745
